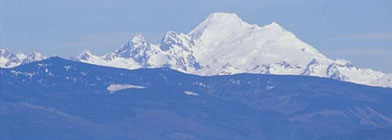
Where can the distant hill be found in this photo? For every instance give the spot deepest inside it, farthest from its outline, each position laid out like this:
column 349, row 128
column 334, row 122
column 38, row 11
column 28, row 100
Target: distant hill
column 67, row 100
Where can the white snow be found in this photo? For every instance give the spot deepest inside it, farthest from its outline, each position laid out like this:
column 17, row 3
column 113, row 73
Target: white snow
column 191, row 93
column 27, row 74
column 270, row 87
column 385, row 81
column 220, row 45
column 35, row 56
column 3, row 62
column 225, row 44
column 117, row 87
column 9, row 59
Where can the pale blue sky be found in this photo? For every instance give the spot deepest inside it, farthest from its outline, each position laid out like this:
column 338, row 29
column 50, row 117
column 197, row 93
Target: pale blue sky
column 357, row 30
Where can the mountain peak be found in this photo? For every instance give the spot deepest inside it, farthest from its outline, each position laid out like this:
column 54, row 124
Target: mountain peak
column 224, row 44
column 4, row 52
column 133, row 47
column 219, row 16
column 219, row 23
column 342, row 62
column 21, row 56
column 10, row 59
column 35, row 56
column 86, row 52
column 85, row 55
column 138, row 39
column 171, row 37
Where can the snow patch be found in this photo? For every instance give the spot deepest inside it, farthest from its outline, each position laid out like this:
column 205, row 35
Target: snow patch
column 117, row 87
column 48, row 72
column 270, row 87
column 67, row 67
column 27, row 74
column 43, row 65
column 191, row 93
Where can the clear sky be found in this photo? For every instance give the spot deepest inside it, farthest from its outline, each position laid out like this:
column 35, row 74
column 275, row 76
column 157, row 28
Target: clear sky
column 357, row 30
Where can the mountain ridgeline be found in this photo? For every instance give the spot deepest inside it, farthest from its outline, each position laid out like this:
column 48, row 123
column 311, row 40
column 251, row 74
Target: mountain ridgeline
column 9, row 59
column 224, row 44
column 62, row 99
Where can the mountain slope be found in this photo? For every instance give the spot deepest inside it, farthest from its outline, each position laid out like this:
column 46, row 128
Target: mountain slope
column 224, row 44
column 63, row 99
column 9, row 59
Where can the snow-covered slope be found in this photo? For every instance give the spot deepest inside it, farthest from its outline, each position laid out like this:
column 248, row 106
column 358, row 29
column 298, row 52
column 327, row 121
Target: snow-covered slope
column 224, row 44
column 385, row 81
column 9, row 59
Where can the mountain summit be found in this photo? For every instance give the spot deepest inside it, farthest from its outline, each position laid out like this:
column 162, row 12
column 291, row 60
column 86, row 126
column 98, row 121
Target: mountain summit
column 224, row 44
column 219, row 23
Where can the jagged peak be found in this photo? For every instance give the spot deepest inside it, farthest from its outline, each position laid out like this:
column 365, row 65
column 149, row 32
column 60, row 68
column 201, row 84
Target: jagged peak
column 36, row 54
column 342, row 62
column 139, row 38
column 334, row 73
column 109, row 56
column 137, row 45
column 86, row 52
column 85, row 55
column 173, row 37
column 21, row 55
column 138, row 41
column 170, row 34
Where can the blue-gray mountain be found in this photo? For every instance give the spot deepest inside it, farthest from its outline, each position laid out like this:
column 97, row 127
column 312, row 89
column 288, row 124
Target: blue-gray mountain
column 63, row 100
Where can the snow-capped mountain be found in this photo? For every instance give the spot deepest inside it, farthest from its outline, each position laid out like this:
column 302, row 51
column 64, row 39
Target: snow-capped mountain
column 224, row 44
column 9, row 59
